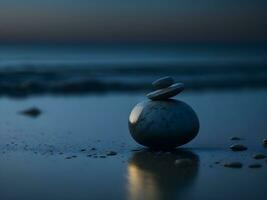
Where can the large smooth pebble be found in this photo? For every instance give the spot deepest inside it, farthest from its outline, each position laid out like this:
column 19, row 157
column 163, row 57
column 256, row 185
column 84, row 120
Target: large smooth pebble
column 163, row 124
column 163, row 82
column 166, row 93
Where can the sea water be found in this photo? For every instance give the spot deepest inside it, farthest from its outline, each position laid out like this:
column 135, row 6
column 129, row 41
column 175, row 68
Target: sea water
column 100, row 67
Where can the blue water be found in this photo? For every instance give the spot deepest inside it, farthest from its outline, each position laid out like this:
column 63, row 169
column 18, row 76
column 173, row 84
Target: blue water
column 131, row 54
column 104, row 67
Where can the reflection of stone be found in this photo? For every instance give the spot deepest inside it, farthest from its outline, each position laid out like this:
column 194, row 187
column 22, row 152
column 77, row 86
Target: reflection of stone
column 154, row 175
column 163, row 124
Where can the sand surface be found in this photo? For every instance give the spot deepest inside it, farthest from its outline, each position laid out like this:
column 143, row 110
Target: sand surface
column 62, row 154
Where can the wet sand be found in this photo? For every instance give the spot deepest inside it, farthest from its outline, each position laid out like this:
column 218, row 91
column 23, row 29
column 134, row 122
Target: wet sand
column 63, row 153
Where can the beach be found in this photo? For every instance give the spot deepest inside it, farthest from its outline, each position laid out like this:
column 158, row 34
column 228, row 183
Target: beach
column 133, row 100
column 63, row 152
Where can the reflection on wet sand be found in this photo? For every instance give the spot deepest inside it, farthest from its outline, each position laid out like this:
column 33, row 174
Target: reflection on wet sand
column 154, row 175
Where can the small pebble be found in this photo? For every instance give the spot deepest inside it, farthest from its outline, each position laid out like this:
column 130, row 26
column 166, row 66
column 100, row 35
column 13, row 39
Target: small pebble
column 83, row 150
column 111, row 153
column 74, row 156
column 238, row 147
column 31, row 112
column 136, row 150
column 93, row 149
column 255, row 166
column 259, row 156
column 69, row 157
column 185, row 162
column 264, row 143
column 102, row 156
column 217, row 162
column 235, row 138
column 233, row 165
column 163, row 82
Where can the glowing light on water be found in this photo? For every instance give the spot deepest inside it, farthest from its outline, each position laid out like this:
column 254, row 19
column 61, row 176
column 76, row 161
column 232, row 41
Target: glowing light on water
column 141, row 184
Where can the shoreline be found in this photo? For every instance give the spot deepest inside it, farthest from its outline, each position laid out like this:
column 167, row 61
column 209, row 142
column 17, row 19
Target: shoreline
column 33, row 82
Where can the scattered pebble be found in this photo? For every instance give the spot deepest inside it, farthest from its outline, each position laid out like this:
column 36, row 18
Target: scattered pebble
column 238, row 147
column 185, row 162
column 264, row 143
column 255, row 166
column 233, row 165
column 93, row 149
column 102, row 156
column 69, row 157
column 136, row 150
column 82, row 150
column 235, row 138
column 259, row 156
column 31, row 112
column 111, row 153
column 74, row 156
column 217, row 162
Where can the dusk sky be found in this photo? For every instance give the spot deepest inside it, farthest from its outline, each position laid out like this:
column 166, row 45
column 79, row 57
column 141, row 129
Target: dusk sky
column 128, row 20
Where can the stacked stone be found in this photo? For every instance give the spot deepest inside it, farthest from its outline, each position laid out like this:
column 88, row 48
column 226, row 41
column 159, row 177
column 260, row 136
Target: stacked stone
column 165, row 89
column 163, row 123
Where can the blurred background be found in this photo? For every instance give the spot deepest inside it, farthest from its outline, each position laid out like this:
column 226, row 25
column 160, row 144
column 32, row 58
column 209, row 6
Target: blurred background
column 73, row 47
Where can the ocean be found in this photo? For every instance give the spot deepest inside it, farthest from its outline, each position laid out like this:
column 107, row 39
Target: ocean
column 36, row 69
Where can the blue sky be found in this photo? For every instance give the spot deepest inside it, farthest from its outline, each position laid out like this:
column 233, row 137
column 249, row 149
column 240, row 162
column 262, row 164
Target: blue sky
column 129, row 20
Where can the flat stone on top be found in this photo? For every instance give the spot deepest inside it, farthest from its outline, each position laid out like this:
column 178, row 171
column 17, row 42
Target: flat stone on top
column 163, row 82
column 166, row 93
